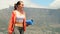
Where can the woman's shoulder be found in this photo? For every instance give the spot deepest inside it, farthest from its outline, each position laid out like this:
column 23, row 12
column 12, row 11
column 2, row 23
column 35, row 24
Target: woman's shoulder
column 14, row 11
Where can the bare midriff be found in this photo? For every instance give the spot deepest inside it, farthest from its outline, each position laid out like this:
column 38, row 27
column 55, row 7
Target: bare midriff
column 19, row 24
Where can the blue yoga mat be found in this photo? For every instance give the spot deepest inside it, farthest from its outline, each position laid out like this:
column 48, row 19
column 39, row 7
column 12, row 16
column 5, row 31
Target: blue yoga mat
column 29, row 22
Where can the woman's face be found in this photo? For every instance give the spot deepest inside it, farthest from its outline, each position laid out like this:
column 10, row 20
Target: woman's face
column 21, row 5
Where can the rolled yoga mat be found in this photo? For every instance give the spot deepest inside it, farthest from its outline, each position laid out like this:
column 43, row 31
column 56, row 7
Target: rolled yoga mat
column 29, row 22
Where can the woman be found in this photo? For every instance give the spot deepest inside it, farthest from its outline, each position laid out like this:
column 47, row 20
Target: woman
column 18, row 19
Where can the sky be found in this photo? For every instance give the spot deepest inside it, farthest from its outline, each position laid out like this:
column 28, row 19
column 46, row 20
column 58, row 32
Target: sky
column 52, row 4
column 42, row 2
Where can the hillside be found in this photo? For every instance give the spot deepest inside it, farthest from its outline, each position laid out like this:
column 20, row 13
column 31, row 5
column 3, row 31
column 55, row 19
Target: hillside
column 43, row 18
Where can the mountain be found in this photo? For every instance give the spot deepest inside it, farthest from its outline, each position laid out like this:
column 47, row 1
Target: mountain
column 41, row 16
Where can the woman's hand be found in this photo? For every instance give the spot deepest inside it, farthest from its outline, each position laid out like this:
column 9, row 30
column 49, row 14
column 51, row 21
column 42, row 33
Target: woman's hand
column 10, row 32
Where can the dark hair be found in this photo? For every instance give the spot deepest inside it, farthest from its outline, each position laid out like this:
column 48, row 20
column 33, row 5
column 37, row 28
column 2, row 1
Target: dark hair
column 16, row 5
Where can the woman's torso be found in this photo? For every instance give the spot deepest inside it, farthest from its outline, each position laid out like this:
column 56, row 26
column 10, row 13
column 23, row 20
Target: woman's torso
column 19, row 19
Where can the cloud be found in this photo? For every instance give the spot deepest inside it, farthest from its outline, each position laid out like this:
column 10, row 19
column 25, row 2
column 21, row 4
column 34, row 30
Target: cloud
column 28, row 3
column 7, row 3
column 55, row 4
column 3, row 4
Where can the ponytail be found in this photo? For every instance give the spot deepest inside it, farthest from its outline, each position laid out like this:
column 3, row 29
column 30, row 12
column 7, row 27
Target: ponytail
column 15, row 6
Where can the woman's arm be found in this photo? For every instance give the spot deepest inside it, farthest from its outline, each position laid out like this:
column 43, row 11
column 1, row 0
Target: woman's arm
column 11, row 23
column 24, row 25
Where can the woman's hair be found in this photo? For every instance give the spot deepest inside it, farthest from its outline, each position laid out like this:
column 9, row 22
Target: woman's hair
column 16, row 5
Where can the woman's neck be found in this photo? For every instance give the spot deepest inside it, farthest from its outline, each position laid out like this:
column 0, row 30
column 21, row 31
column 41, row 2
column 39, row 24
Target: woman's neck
column 20, row 10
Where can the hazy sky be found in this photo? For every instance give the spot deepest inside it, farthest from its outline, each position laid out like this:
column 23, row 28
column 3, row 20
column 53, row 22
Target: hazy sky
column 32, row 3
column 42, row 2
